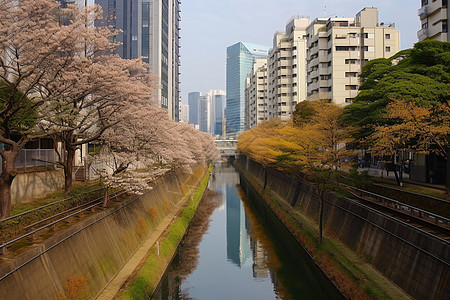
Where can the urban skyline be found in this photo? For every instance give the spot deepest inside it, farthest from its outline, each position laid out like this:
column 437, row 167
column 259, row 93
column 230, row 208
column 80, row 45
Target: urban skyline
column 204, row 67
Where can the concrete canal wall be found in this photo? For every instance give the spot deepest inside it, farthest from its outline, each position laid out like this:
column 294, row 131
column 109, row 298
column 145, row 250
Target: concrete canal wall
column 79, row 262
column 415, row 261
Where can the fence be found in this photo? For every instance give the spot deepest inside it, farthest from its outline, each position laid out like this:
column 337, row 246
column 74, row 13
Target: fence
column 29, row 158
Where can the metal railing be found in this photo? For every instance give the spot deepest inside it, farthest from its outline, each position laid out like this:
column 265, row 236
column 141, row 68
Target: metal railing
column 409, row 209
column 29, row 158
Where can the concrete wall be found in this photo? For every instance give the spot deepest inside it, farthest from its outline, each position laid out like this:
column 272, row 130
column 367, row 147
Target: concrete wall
column 29, row 185
column 93, row 250
column 414, row 260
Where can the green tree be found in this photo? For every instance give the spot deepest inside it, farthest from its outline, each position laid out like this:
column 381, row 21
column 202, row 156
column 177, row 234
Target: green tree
column 420, row 75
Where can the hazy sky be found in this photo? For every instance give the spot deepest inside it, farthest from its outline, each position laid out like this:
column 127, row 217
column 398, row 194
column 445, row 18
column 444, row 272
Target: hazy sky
column 209, row 27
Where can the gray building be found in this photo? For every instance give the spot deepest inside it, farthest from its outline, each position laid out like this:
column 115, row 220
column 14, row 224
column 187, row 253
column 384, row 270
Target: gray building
column 150, row 29
column 219, row 106
column 193, row 100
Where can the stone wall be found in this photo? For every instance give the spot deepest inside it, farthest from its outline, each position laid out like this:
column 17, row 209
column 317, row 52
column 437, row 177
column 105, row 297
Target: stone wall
column 94, row 250
column 412, row 259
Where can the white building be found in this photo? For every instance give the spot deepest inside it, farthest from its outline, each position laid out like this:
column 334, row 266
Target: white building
column 337, row 50
column 434, row 19
column 256, row 104
column 286, row 66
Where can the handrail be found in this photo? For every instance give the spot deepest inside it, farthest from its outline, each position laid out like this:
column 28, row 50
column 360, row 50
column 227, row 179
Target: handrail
column 401, row 206
column 45, row 206
column 98, row 200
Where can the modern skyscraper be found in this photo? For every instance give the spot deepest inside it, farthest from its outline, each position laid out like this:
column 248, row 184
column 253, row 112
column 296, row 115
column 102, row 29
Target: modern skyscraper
column 203, row 113
column 150, row 29
column 337, row 50
column 434, row 18
column 193, row 101
column 240, row 58
column 212, row 109
column 219, row 106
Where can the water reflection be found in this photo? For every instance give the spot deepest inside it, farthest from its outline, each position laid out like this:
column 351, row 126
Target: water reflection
column 229, row 253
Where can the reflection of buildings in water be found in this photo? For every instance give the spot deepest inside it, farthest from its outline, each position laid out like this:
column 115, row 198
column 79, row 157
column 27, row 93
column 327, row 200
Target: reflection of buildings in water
column 238, row 249
column 260, row 259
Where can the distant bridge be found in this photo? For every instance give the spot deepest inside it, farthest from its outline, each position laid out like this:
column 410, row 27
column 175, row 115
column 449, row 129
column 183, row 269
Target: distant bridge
column 227, row 148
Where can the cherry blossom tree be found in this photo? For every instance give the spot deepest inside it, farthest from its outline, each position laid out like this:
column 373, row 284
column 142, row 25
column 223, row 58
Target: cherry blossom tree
column 57, row 78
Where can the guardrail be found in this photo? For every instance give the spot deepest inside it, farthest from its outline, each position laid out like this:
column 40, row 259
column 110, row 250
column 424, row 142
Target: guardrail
column 91, row 205
column 413, row 211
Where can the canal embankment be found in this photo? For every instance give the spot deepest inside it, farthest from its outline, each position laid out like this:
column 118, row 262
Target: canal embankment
column 81, row 260
column 366, row 254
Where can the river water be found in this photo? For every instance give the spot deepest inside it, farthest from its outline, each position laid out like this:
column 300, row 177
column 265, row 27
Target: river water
column 235, row 249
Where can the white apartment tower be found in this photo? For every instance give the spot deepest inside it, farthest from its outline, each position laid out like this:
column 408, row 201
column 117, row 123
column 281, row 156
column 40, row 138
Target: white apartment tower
column 256, row 105
column 286, row 67
column 434, row 19
column 338, row 48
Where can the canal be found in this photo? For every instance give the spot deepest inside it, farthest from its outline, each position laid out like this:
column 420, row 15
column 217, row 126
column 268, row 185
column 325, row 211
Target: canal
column 236, row 249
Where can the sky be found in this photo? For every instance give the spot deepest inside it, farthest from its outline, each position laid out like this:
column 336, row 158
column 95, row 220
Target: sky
column 209, row 27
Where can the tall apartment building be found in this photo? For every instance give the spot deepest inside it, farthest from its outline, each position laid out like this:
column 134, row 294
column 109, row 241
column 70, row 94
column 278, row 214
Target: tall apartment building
column 434, row 19
column 203, row 113
column 286, row 67
column 240, row 58
column 150, row 29
column 256, row 104
column 339, row 47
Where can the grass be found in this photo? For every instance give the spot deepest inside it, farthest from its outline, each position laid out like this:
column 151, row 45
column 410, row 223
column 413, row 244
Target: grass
column 353, row 275
column 148, row 277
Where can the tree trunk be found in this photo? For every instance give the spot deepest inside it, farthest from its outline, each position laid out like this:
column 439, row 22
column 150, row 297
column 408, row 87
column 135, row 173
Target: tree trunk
column 447, row 172
column 68, row 168
column 6, row 179
column 321, row 195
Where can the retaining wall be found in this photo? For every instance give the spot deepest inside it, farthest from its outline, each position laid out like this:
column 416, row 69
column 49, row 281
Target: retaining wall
column 94, row 250
column 29, row 185
column 412, row 259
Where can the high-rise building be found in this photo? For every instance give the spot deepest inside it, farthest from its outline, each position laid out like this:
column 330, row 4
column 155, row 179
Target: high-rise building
column 203, row 112
column 150, row 29
column 240, row 58
column 219, row 107
column 212, row 109
column 337, row 50
column 256, row 95
column 434, row 18
column 193, row 101
column 184, row 113
column 286, row 68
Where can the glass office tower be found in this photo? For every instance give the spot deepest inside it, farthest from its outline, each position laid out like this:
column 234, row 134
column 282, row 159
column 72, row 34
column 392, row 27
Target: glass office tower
column 150, row 29
column 240, row 58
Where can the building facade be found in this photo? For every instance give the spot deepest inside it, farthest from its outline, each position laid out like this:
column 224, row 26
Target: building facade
column 286, row 67
column 193, row 101
column 150, row 29
column 434, row 19
column 240, row 58
column 256, row 104
column 219, row 110
column 338, row 48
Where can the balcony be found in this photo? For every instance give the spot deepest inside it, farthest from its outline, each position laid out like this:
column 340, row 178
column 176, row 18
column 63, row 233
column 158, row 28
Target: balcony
column 423, row 11
column 422, row 34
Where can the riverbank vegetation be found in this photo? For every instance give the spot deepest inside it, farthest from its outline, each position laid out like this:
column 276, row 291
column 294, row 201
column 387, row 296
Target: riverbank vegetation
column 160, row 255
column 351, row 273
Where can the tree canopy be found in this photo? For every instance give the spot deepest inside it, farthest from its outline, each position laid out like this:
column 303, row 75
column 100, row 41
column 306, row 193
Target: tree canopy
column 421, row 75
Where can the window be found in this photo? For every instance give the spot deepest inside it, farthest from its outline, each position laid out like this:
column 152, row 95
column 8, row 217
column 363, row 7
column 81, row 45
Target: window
column 388, row 49
column 425, row 25
column 345, row 48
column 348, row 100
column 350, row 61
column 351, row 74
column 387, row 36
column 351, row 87
column 365, row 35
column 444, row 26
